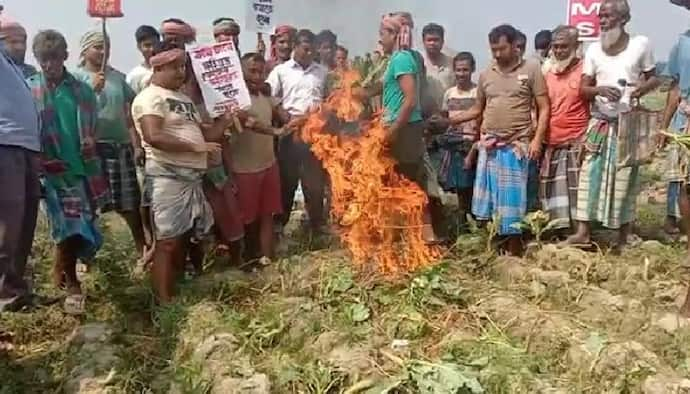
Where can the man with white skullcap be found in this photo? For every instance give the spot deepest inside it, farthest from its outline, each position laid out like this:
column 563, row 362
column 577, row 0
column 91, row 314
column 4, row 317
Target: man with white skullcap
column 117, row 142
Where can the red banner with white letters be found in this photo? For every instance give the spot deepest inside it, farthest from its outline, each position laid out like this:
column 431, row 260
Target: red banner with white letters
column 584, row 14
column 105, row 8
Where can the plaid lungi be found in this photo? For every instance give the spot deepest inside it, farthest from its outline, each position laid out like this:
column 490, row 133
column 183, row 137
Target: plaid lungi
column 533, row 202
column 449, row 163
column 500, row 188
column 677, row 170
column 118, row 167
column 431, row 184
column 606, row 194
column 560, row 173
column 70, row 214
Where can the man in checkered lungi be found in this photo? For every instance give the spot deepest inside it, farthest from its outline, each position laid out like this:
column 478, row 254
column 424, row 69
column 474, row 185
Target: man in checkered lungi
column 617, row 70
column 506, row 93
column 678, row 110
column 114, row 132
column 560, row 165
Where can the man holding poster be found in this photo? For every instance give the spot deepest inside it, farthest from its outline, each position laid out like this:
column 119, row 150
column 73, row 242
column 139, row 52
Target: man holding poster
column 176, row 160
column 300, row 83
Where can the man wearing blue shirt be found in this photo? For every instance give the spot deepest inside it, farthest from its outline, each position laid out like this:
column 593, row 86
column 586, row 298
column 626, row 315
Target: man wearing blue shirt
column 19, row 155
column 675, row 120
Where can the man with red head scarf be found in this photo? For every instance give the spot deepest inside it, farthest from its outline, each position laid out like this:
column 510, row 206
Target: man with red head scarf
column 227, row 29
column 177, row 31
column 282, row 44
column 402, row 109
column 177, row 147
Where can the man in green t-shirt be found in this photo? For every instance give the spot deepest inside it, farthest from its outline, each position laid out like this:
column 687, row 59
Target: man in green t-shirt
column 402, row 109
column 73, row 183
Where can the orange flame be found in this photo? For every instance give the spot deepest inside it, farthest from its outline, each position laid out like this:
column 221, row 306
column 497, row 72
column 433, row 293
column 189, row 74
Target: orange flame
column 380, row 212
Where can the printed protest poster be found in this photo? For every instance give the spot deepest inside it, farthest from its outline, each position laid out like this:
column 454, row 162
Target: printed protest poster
column 261, row 16
column 219, row 73
column 584, row 14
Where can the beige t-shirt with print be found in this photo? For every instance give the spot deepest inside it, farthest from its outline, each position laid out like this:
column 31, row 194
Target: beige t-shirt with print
column 180, row 119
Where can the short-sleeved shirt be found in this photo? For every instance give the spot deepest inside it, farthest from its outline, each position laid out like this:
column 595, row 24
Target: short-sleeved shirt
column 297, row 87
column 180, row 120
column 608, row 70
column 678, row 68
column 509, row 96
column 253, row 152
column 139, row 78
column 569, row 110
column 456, row 100
column 113, row 106
column 401, row 63
column 19, row 118
column 439, row 78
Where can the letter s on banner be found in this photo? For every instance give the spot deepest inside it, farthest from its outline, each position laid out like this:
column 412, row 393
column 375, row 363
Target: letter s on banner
column 584, row 14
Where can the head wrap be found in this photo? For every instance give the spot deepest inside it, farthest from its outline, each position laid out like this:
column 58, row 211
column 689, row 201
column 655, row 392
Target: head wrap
column 226, row 24
column 400, row 25
column 179, row 29
column 90, row 39
column 10, row 28
column 166, row 57
column 280, row 30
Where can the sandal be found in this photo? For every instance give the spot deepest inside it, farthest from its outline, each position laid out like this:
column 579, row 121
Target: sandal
column 75, row 304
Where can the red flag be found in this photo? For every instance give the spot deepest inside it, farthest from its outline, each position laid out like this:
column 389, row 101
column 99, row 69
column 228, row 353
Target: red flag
column 105, row 8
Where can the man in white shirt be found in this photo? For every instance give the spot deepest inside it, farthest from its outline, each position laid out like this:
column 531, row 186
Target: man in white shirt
column 147, row 37
column 617, row 69
column 300, row 83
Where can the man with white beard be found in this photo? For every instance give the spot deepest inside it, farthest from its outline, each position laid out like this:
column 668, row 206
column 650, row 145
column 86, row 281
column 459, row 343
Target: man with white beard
column 560, row 165
column 617, row 69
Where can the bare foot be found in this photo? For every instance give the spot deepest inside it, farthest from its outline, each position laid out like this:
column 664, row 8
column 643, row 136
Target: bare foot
column 59, row 279
column 578, row 240
column 686, row 262
column 74, row 289
column 671, row 227
column 685, row 310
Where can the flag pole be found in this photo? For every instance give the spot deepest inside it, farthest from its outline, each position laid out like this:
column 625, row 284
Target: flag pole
column 106, row 44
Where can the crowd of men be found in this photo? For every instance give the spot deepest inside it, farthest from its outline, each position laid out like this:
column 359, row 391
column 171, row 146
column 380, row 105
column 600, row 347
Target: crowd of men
column 533, row 132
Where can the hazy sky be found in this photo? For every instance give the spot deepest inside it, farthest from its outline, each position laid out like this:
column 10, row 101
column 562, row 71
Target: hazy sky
column 355, row 21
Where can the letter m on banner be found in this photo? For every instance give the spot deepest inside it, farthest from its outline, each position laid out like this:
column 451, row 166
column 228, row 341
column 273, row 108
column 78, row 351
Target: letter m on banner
column 584, row 14
column 105, row 8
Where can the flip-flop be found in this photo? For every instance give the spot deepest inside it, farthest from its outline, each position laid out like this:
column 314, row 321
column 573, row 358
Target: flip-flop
column 75, row 304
